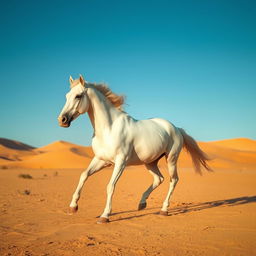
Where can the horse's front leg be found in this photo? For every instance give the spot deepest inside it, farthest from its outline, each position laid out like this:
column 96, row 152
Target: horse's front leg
column 117, row 172
column 94, row 166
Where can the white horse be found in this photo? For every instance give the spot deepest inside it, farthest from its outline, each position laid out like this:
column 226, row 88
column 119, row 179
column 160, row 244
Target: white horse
column 122, row 140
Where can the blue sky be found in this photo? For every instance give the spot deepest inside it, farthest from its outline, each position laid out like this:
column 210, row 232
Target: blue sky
column 191, row 62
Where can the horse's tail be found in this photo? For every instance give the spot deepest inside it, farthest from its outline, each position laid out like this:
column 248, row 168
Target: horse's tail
column 199, row 158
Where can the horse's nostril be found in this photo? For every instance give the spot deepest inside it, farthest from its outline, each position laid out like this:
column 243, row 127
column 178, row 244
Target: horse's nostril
column 64, row 119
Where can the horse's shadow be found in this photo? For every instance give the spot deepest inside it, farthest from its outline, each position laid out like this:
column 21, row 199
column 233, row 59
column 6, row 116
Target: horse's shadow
column 191, row 207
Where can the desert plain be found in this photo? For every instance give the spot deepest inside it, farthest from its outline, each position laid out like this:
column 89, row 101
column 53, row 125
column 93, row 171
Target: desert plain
column 212, row 214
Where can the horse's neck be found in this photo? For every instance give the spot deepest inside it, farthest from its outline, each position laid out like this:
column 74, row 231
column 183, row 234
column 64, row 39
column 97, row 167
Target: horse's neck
column 101, row 112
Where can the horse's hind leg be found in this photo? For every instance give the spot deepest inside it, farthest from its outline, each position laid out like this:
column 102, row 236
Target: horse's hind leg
column 158, row 179
column 172, row 169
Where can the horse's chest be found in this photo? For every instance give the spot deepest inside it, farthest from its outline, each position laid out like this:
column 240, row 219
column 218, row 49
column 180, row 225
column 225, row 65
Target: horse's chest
column 104, row 149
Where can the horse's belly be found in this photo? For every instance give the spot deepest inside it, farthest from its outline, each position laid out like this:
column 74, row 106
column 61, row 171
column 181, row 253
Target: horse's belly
column 137, row 159
column 148, row 154
column 150, row 146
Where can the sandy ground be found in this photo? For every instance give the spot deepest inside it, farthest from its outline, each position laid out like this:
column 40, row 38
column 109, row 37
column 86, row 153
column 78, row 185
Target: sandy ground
column 213, row 214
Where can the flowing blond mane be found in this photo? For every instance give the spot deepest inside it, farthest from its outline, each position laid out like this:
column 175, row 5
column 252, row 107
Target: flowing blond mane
column 116, row 100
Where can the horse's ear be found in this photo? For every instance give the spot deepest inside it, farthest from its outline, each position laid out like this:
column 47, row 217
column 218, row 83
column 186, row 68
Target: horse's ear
column 71, row 80
column 82, row 81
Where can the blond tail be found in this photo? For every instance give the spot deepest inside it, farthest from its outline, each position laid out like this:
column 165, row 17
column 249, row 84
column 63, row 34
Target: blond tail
column 199, row 158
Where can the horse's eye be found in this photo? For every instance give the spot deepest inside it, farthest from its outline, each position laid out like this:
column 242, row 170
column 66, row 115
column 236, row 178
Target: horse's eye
column 78, row 97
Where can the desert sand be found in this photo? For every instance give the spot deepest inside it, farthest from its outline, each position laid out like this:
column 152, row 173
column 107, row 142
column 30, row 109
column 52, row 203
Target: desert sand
column 212, row 214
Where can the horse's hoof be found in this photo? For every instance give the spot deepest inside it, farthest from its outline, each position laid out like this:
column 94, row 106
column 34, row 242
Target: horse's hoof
column 72, row 210
column 142, row 206
column 102, row 220
column 163, row 213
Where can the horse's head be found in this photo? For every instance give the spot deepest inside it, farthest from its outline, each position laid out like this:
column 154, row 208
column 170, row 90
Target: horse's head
column 77, row 102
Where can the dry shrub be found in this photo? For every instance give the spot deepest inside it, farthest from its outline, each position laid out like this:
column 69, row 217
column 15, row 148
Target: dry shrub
column 25, row 176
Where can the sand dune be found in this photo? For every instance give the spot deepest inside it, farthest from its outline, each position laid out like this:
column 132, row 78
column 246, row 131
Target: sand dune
column 59, row 154
column 11, row 150
column 241, row 144
column 66, row 146
column 63, row 158
column 236, row 155
column 226, row 154
column 12, row 144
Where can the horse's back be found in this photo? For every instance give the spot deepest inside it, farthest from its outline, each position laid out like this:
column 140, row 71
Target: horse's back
column 166, row 125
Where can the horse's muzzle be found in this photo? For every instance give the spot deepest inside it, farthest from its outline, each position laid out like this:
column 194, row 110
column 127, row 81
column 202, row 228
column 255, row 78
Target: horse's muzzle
column 64, row 121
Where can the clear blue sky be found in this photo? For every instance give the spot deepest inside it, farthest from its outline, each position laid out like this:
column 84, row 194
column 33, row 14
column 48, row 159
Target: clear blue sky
column 191, row 62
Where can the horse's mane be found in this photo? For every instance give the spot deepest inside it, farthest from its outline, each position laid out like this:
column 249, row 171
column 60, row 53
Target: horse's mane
column 116, row 100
